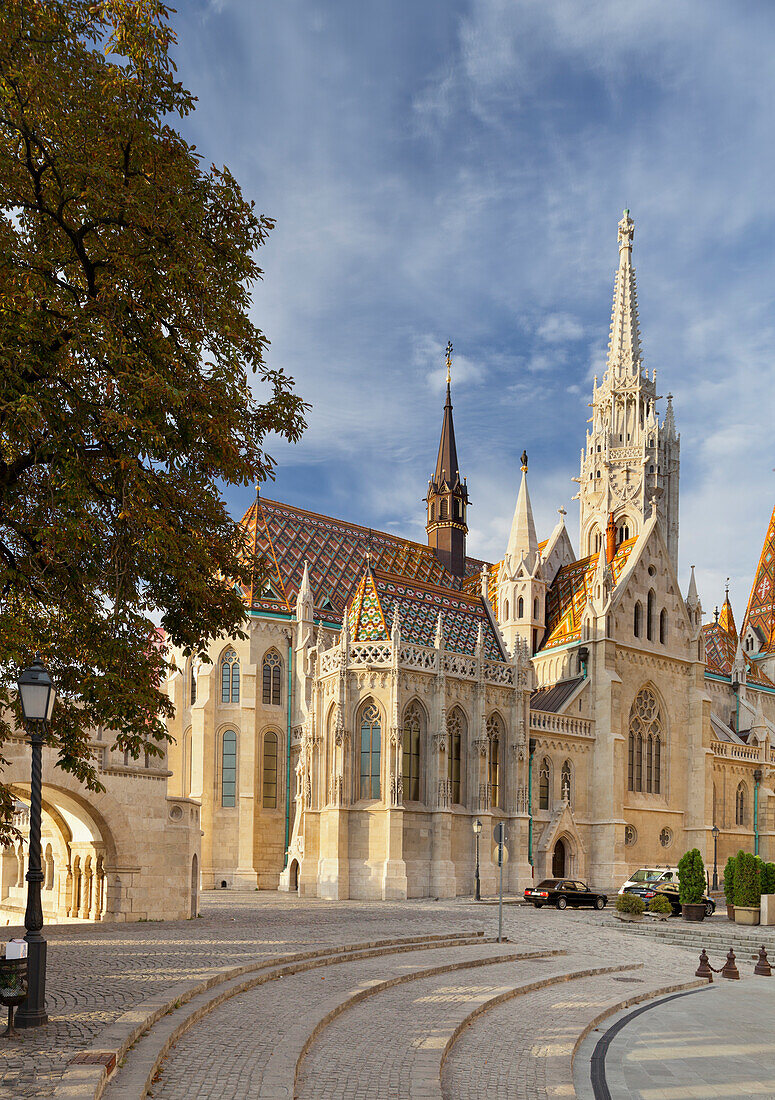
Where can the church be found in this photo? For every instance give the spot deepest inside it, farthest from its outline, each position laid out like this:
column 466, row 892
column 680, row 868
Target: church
column 389, row 695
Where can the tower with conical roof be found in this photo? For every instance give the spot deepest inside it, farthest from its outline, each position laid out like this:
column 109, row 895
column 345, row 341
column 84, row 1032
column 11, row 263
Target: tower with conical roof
column 521, row 583
column 630, row 458
column 447, row 498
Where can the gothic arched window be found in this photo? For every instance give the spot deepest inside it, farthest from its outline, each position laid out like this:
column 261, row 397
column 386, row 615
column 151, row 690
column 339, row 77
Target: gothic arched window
column 741, row 808
column 414, row 725
column 371, row 750
column 663, row 626
column 192, row 673
column 443, row 510
column 650, row 615
column 544, row 785
column 270, row 771
column 506, row 611
column 229, row 768
column 565, row 781
column 520, row 608
column 230, row 677
column 271, row 678
column 495, row 737
column 637, row 619
column 644, row 746
column 456, row 728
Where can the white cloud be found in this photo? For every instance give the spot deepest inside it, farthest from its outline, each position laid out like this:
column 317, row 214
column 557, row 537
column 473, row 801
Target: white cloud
column 559, row 328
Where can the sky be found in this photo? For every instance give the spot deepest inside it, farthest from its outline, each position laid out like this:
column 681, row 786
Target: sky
column 449, row 170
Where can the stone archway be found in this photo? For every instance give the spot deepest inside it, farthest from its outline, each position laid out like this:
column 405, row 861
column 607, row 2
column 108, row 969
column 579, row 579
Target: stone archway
column 560, row 859
column 294, row 876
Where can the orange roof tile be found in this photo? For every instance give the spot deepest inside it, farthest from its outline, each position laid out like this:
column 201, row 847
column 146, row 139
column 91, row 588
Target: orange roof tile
column 568, row 595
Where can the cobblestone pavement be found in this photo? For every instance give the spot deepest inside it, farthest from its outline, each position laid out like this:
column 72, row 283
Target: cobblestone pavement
column 96, row 972
column 717, row 1042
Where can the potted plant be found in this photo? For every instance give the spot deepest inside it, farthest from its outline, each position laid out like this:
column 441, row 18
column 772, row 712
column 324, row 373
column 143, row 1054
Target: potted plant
column 691, row 885
column 748, row 889
column 767, row 906
column 729, row 887
column 660, row 907
column 629, row 907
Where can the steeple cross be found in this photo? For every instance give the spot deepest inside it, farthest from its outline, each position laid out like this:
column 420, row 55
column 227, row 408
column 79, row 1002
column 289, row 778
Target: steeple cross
column 449, row 360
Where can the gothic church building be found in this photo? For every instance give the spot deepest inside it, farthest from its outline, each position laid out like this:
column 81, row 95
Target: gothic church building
column 389, row 694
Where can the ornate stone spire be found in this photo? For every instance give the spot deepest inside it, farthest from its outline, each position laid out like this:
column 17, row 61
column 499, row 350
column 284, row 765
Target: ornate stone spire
column 624, row 341
column 523, row 543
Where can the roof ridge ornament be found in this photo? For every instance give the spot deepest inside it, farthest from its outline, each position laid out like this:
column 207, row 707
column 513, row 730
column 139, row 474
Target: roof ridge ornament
column 449, row 361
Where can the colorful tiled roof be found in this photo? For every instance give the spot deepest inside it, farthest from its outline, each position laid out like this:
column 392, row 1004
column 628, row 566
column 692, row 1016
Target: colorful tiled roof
column 726, row 619
column 473, row 584
column 760, row 612
column 378, row 594
column 284, row 537
column 720, row 650
column 566, row 599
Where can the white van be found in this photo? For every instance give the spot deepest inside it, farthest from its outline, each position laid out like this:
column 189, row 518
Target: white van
column 653, row 875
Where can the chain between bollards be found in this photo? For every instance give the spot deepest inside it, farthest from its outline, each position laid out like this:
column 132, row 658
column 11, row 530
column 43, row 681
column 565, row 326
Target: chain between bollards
column 729, row 969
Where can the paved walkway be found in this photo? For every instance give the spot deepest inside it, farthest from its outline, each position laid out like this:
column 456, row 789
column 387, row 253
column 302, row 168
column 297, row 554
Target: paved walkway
column 715, row 1042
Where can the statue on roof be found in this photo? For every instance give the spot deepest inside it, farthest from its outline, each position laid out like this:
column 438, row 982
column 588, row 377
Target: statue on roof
column 524, row 461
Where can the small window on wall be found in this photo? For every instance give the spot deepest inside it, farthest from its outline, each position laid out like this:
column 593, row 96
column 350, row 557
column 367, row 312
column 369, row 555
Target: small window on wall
column 543, row 784
column 271, row 678
column 230, row 677
column 270, row 771
column 229, row 769
column 193, row 685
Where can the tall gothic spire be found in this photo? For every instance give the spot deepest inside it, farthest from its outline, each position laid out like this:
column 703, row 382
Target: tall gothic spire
column 624, row 341
column 447, row 497
column 523, row 543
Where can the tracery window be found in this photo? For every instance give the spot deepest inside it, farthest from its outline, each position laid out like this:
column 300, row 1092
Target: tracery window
column 371, row 749
column 565, row 778
column 644, row 746
column 741, row 809
column 544, row 778
column 270, row 771
column 494, row 737
column 414, row 724
column 229, row 769
column 272, row 670
column 456, row 728
column 230, row 677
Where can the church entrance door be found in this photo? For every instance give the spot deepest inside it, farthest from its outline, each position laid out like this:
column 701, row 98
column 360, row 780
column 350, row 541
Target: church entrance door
column 558, row 860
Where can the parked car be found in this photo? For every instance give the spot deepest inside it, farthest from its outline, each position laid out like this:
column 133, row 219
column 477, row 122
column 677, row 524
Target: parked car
column 563, row 892
column 654, row 875
column 647, row 891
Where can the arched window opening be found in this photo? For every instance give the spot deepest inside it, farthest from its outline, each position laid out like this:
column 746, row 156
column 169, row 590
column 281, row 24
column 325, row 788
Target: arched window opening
column 535, row 608
column 229, row 769
column 637, row 620
column 414, row 724
column 192, row 693
column 544, row 776
column 456, row 728
column 186, row 763
column 230, row 677
column 650, row 615
column 565, row 778
column 270, row 771
column 271, row 678
column 456, row 508
column 644, row 745
column 741, row 808
column 623, row 533
column 520, row 608
column 371, row 748
column 663, row 626
column 443, row 510
column 433, row 512
column 495, row 735
column 505, row 610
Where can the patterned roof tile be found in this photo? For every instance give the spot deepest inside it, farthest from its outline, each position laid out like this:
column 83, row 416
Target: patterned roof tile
column 760, row 612
column 567, row 597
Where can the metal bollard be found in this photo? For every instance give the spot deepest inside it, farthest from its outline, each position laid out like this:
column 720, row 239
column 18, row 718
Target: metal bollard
column 729, row 969
column 762, row 964
column 704, row 970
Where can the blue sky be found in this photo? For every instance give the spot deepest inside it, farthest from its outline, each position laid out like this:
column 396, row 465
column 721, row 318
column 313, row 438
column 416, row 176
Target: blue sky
column 456, row 170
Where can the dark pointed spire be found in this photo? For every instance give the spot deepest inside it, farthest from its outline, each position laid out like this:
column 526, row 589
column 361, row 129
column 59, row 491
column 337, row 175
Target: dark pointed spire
column 448, row 495
column 446, row 464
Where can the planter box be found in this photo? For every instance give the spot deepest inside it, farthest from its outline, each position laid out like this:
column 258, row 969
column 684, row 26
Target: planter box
column 745, row 914
column 694, row 912
column 767, row 911
column 628, row 916
column 661, row 916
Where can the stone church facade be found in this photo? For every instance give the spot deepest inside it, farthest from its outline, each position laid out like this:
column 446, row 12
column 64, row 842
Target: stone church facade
column 388, row 694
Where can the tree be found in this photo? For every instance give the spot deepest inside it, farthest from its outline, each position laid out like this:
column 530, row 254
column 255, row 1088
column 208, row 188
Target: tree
column 125, row 349
column 691, row 877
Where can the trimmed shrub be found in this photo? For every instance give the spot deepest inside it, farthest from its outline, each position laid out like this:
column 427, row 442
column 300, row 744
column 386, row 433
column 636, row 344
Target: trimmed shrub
column 768, row 878
column 660, row 904
column 691, row 877
column 630, row 903
column 748, row 881
column 729, row 880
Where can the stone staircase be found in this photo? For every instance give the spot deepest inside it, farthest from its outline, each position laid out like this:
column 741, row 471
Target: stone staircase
column 716, row 935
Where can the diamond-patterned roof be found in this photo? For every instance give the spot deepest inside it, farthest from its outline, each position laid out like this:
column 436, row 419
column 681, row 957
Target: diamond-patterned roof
column 760, row 612
column 566, row 599
column 336, row 551
column 378, row 594
column 720, row 650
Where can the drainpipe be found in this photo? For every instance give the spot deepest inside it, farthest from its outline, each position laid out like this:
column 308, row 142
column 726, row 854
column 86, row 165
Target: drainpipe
column 583, row 659
column 757, row 776
column 288, row 760
column 532, row 749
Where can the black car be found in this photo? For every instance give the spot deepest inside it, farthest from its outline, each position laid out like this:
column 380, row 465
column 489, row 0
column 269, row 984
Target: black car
column 670, row 890
column 563, row 892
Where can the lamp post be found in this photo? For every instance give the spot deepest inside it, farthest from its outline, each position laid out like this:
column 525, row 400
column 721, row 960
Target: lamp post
column 477, row 885
column 714, row 833
column 37, row 695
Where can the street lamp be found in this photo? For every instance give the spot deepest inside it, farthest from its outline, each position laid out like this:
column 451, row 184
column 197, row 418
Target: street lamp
column 37, row 695
column 477, row 885
column 714, row 833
